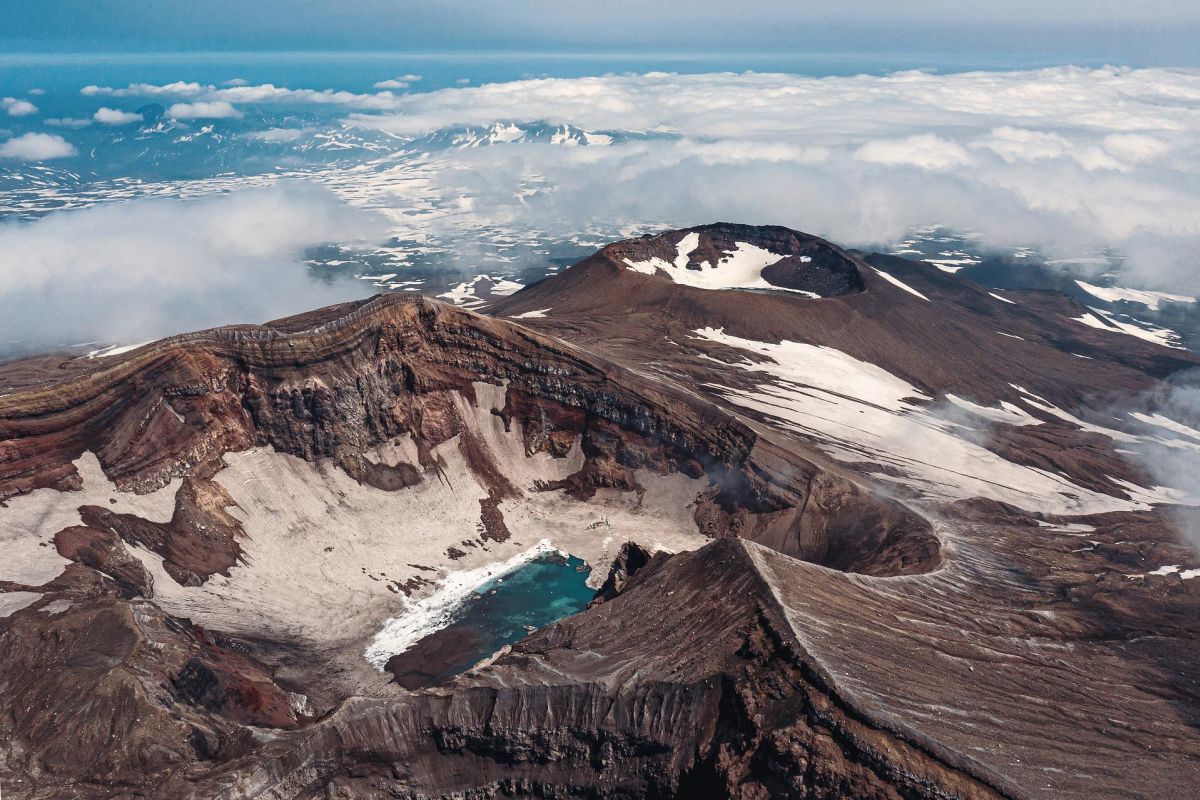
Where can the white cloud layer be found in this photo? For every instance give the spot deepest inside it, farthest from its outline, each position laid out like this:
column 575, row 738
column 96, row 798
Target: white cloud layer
column 240, row 92
column 132, row 271
column 112, row 116
column 68, row 122
column 16, row 107
column 1066, row 159
column 216, row 109
column 37, row 147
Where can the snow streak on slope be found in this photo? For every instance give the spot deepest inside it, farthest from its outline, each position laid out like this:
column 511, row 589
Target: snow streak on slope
column 896, row 281
column 464, row 294
column 859, row 412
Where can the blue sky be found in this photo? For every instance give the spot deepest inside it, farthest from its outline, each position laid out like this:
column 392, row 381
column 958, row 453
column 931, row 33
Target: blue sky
column 1151, row 32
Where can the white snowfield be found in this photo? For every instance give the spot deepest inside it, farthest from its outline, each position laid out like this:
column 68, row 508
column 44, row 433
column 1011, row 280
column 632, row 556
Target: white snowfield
column 29, row 522
column 1152, row 300
column 858, row 412
column 115, row 350
column 12, row 602
column 740, row 268
column 1102, row 320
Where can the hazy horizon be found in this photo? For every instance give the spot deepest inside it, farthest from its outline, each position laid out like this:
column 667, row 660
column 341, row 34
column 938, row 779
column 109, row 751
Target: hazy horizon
column 1155, row 33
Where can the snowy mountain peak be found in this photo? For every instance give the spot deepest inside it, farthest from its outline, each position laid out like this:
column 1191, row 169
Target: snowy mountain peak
column 462, row 137
column 728, row 256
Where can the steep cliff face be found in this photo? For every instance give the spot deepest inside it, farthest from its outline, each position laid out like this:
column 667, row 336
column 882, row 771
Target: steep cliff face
column 363, row 376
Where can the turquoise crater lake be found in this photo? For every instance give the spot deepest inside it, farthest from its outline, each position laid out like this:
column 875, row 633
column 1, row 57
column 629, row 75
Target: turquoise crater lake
column 501, row 611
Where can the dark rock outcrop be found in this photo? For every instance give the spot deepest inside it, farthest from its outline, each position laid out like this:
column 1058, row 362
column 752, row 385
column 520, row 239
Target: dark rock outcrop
column 632, row 559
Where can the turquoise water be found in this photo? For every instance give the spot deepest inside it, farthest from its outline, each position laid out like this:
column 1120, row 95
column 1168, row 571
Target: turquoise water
column 501, row 611
column 535, row 594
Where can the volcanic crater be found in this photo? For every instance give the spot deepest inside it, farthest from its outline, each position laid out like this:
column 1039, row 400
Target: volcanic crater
column 206, row 534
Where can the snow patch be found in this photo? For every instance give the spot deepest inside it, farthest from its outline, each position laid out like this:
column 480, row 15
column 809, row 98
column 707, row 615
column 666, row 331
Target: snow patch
column 464, row 294
column 1173, row 569
column 1159, row 421
column 115, row 350
column 1007, row 413
column 12, row 602
column 505, row 287
column 28, row 522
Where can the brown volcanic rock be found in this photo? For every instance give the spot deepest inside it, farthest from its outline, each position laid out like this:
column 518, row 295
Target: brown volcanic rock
column 305, row 394
column 431, row 659
column 90, row 706
column 103, row 551
column 235, row 686
column 1021, row 607
column 1089, row 458
column 629, row 562
column 200, row 540
column 367, row 374
column 957, row 339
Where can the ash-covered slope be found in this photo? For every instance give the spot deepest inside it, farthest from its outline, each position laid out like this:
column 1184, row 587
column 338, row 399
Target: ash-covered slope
column 933, row 329
column 912, row 361
column 211, row 530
